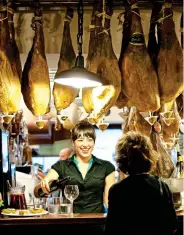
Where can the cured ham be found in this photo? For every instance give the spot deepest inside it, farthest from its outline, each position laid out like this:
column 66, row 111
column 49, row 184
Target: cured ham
column 181, row 29
column 139, row 79
column 170, row 57
column 35, row 78
column 180, row 102
column 102, row 61
column 10, row 90
column 15, row 61
column 165, row 166
column 130, row 121
column 154, row 33
column 65, row 95
column 142, row 125
column 122, row 100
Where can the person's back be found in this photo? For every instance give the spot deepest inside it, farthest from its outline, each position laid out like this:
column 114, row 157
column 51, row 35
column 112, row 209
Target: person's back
column 140, row 204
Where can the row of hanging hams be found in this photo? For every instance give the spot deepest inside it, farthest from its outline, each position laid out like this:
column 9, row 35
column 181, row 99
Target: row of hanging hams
column 139, row 78
column 166, row 77
column 135, row 80
column 158, row 84
column 33, row 82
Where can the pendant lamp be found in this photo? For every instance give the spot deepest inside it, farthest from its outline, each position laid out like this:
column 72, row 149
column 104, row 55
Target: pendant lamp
column 78, row 76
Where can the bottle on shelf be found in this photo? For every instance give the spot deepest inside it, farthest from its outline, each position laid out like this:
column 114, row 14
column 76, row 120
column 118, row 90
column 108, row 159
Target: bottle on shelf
column 54, row 186
column 179, row 169
column 181, row 165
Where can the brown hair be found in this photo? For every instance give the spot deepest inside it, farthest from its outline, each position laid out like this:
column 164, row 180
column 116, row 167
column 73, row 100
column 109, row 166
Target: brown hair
column 135, row 153
column 83, row 128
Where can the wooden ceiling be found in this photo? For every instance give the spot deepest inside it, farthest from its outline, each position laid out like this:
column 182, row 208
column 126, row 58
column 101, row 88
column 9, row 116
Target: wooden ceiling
column 24, row 5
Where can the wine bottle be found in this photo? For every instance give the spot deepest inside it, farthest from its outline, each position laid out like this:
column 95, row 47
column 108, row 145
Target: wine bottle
column 54, row 186
column 181, row 166
column 179, row 169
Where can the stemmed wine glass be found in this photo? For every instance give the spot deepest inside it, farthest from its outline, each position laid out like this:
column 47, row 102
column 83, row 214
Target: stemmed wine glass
column 71, row 192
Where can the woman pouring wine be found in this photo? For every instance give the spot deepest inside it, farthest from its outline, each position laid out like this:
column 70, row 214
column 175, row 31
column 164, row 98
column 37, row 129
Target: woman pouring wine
column 93, row 176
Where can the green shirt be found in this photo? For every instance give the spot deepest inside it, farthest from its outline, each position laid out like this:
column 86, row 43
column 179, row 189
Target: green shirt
column 91, row 188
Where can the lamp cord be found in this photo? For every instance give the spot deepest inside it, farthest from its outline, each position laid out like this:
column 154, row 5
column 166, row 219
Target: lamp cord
column 80, row 11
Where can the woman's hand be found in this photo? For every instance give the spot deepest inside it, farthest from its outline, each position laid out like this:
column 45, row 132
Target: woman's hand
column 45, row 185
column 40, row 175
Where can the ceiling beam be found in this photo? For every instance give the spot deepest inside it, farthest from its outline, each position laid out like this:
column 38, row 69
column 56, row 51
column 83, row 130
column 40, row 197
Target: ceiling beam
column 55, row 5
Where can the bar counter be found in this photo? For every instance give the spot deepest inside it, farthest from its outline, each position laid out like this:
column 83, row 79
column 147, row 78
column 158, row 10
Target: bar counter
column 78, row 224
column 53, row 219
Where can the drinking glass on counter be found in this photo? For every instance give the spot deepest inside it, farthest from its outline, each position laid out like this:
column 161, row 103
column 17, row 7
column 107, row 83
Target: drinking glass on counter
column 65, row 206
column 71, row 192
column 54, row 205
column 40, row 203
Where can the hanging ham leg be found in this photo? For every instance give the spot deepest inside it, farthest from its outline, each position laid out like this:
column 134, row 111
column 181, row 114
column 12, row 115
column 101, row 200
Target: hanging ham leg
column 142, row 125
column 153, row 43
column 87, row 99
column 65, row 95
column 102, row 61
column 181, row 29
column 180, row 99
column 16, row 62
column 180, row 102
column 10, row 91
column 170, row 58
column 165, row 165
column 122, row 99
column 139, row 79
column 130, row 121
column 35, row 77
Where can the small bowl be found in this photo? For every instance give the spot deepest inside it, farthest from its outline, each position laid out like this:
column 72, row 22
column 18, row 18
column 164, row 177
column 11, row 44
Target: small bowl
column 40, row 124
column 102, row 126
column 168, row 121
column 7, row 118
column 151, row 120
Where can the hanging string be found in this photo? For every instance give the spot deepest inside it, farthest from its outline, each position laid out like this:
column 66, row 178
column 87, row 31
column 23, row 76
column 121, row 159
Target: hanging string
column 80, row 11
column 67, row 19
column 36, row 20
column 120, row 21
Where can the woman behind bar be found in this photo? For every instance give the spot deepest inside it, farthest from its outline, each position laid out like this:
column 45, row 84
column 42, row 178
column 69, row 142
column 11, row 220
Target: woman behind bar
column 93, row 176
column 140, row 204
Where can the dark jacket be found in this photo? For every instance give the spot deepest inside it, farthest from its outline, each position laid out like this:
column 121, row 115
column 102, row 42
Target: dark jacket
column 138, row 207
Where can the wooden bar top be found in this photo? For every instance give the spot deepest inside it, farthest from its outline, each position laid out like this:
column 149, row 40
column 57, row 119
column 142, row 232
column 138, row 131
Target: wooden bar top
column 53, row 219
column 58, row 219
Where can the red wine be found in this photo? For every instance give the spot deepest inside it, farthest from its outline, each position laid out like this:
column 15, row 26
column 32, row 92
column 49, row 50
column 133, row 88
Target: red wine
column 18, row 201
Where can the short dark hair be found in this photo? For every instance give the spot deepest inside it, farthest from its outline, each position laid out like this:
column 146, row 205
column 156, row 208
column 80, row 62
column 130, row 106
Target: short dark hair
column 135, row 153
column 83, row 128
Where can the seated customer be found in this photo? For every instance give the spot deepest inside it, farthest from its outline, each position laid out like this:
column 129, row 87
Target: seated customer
column 140, row 204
